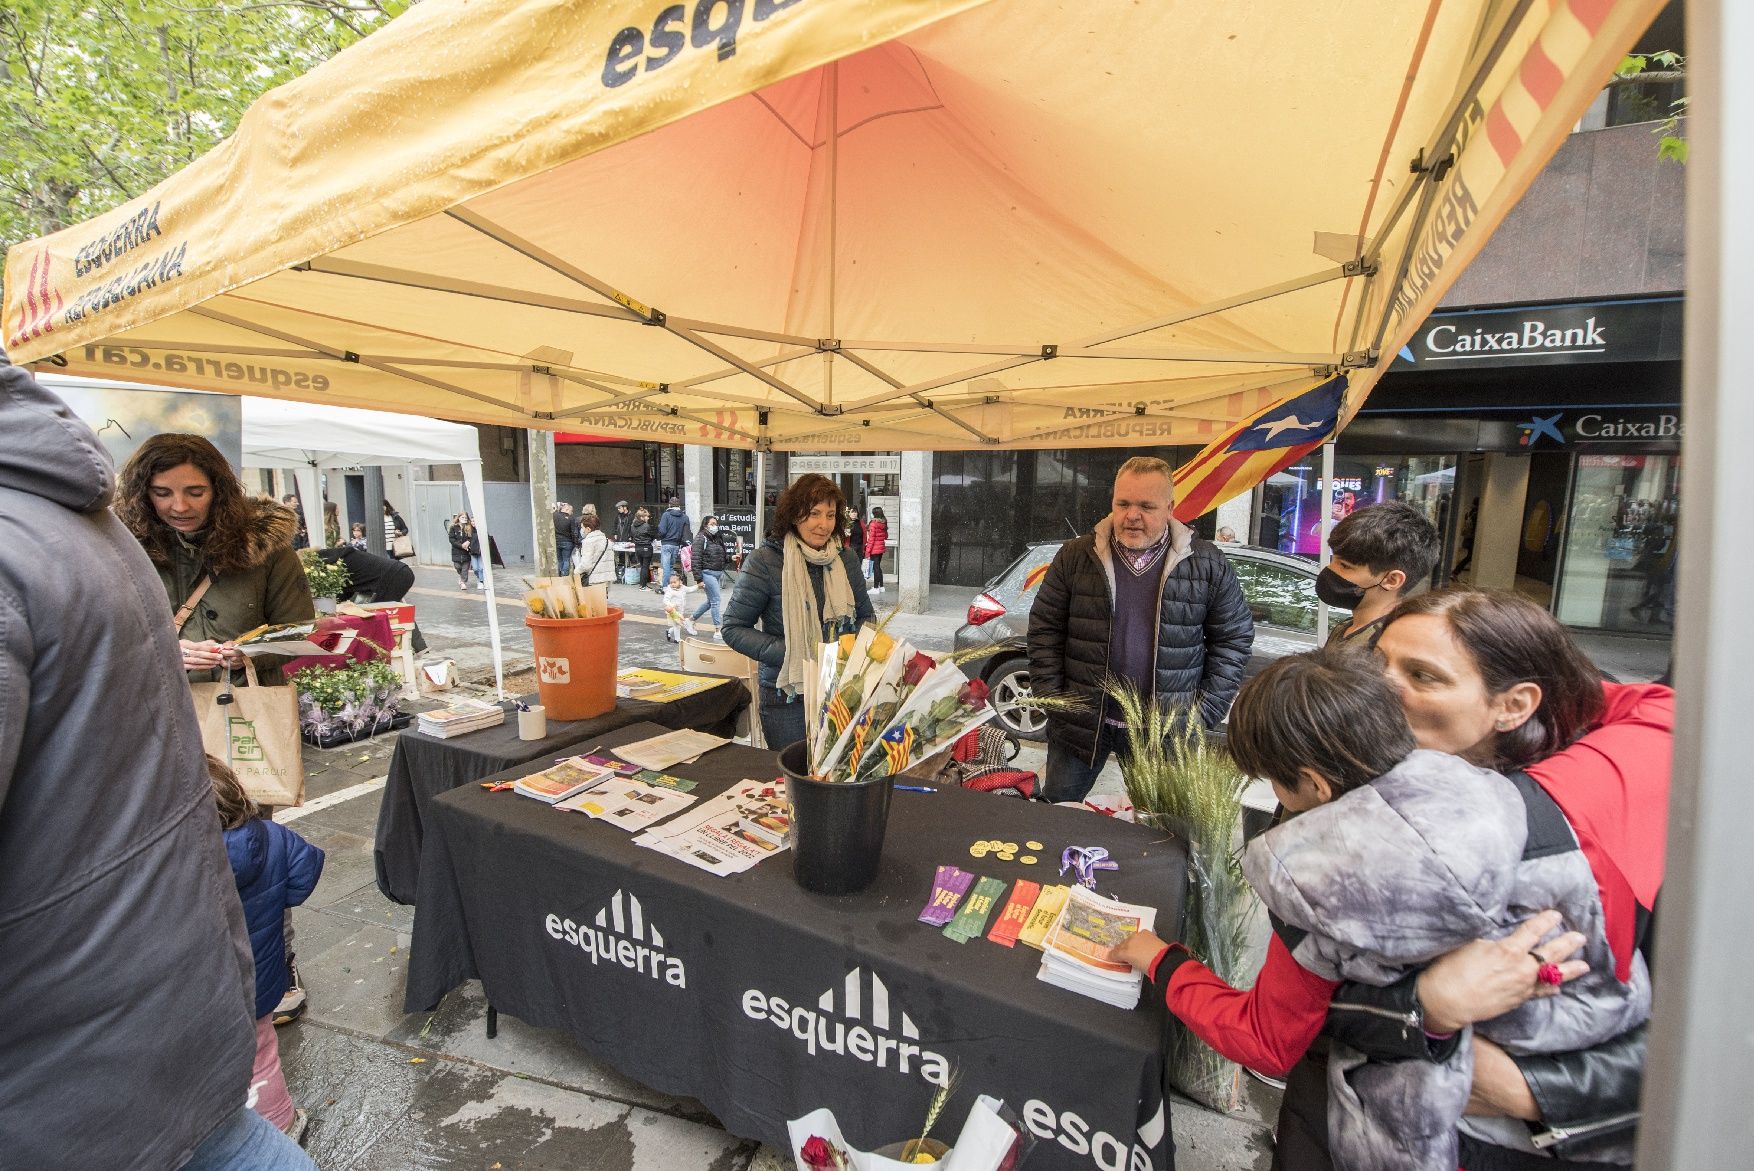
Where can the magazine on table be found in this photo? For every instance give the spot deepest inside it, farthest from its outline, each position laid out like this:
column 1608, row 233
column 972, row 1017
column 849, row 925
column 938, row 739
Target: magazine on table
column 566, row 779
column 656, row 686
column 672, row 748
column 1075, row 950
column 627, row 803
column 729, row 833
column 466, row 715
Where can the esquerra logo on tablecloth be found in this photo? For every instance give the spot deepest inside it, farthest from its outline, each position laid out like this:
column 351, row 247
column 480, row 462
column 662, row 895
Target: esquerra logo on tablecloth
column 620, row 935
column 861, row 1026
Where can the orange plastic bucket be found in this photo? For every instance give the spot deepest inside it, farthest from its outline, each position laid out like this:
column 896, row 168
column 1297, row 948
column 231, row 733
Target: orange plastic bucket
column 576, row 663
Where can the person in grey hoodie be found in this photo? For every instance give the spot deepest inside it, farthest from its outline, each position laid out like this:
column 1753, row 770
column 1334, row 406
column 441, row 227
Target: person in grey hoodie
column 126, row 977
column 1395, row 856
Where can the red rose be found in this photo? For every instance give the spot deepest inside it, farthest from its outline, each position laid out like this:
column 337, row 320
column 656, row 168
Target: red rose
column 916, row 669
column 818, row 1154
column 974, row 694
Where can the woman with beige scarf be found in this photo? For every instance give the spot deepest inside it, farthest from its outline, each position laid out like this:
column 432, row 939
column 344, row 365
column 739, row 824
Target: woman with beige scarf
column 801, row 588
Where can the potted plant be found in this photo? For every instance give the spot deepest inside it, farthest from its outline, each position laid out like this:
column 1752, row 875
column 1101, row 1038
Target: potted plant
column 1180, row 781
column 341, row 704
column 328, row 579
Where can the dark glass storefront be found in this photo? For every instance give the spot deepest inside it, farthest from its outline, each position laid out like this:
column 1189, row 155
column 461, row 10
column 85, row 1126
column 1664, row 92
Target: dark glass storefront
column 988, row 506
column 1599, row 426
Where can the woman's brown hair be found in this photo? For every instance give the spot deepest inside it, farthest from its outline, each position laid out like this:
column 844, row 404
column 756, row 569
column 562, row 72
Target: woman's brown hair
column 230, row 516
column 798, row 501
column 235, row 806
column 1512, row 640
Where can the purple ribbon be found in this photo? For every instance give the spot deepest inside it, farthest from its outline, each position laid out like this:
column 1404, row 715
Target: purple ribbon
column 1086, row 861
column 948, row 887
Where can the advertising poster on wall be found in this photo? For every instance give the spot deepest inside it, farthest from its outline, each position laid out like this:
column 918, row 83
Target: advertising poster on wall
column 125, row 415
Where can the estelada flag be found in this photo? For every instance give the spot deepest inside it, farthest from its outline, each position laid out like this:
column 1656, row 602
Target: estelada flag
column 1268, row 441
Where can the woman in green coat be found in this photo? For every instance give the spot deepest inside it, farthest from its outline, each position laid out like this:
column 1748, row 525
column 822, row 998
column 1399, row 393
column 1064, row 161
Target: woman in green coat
column 181, row 500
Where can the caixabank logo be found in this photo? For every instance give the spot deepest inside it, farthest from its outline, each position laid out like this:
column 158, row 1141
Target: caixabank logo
column 855, row 1020
column 620, row 935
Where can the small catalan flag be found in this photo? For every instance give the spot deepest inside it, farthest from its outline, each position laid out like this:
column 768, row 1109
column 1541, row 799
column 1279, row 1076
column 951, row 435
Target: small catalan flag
column 1269, row 441
column 897, row 743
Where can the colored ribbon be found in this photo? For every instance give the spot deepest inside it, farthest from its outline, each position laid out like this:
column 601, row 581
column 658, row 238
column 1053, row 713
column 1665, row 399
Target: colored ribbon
column 1085, row 861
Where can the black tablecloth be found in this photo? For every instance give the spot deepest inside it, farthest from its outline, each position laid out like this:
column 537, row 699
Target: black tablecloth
column 425, row 766
column 765, row 1001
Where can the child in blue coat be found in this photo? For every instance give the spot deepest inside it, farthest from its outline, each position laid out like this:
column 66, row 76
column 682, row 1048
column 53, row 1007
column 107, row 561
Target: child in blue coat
column 275, row 869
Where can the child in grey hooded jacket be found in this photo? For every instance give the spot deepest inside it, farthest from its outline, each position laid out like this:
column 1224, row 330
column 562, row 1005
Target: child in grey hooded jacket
column 1396, row 856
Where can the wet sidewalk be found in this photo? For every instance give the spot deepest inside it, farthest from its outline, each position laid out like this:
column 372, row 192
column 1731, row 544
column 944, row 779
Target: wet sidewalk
column 388, row 1091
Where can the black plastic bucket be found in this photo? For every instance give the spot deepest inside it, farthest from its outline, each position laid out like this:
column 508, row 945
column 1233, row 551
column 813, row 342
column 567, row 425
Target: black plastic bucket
column 837, row 827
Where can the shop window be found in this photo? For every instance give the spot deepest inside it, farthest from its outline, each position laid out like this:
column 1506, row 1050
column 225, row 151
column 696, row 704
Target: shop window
column 1619, row 567
column 1279, row 596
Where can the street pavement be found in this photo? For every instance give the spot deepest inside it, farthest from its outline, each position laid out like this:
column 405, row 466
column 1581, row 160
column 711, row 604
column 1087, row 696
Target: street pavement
column 388, row 1091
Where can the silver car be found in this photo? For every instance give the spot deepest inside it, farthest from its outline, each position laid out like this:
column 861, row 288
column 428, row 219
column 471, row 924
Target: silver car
column 1280, row 589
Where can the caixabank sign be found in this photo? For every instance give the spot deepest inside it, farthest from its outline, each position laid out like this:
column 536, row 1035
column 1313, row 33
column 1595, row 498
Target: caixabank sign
column 1598, row 331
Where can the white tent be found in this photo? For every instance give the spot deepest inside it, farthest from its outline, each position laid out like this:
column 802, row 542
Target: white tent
column 307, row 438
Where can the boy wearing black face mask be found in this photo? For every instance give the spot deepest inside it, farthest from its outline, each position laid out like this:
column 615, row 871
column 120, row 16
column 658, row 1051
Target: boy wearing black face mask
column 1379, row 553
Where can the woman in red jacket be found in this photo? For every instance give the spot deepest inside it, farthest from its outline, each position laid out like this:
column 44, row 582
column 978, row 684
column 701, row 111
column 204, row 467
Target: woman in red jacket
column 876, row 538
column 1474, row 671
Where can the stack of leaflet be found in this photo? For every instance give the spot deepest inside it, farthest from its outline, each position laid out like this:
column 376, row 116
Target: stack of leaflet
column 1074, row 951
column 564, row 780
column 461, row 718
column 729, row 833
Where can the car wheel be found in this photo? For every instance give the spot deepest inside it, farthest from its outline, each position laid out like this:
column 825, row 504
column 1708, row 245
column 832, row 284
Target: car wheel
column 1009, row 695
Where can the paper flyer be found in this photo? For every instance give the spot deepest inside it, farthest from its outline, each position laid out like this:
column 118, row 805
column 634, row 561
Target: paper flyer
column 626, row 803
column 656, row 686
column 726, row 834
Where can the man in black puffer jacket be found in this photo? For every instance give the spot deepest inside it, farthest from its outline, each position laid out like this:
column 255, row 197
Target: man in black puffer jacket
column 1138, row 600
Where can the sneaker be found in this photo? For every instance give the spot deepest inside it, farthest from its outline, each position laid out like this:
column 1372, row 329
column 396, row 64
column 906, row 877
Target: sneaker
column 292, row 1003
column 689, row 626
column 482, row 586
column 464, row 586
column 301, row 1122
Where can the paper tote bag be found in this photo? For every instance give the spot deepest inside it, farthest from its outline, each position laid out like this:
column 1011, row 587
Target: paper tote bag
column 257, row 735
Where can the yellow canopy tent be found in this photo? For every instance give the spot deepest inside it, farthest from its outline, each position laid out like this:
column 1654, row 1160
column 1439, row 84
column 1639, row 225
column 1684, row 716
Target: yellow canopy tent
column 835, row 224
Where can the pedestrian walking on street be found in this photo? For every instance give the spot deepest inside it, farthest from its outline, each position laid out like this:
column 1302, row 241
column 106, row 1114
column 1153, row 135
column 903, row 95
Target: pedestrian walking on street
column 713, row 555
column 465, row 550
column 643, row 532
column 564, row 542
column 591, row 561
column 856, row 541
column 876, row 540
column 394, row 527
column 674, row 533
column 331, row 524
column 300, row 539
column 623, row 535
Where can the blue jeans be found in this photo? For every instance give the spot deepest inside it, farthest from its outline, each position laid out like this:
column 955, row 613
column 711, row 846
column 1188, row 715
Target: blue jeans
column 476, row 562
column 669, row 558
column 563, row 557
column 782, row 723
column 710, row 578
column 1068, row 777
column 249, row 1142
